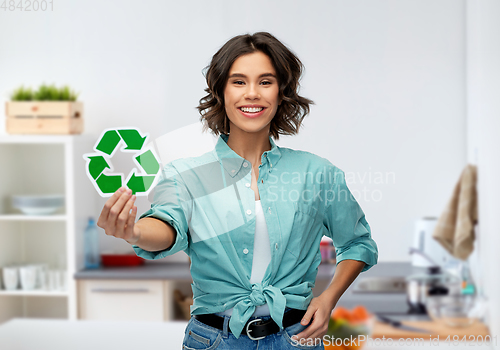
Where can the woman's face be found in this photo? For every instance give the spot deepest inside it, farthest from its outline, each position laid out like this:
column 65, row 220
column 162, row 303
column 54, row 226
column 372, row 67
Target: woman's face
column 251, row 93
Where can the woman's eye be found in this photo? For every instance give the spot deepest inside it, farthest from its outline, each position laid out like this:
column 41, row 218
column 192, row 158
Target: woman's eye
column 266, row 82
column 238, row 82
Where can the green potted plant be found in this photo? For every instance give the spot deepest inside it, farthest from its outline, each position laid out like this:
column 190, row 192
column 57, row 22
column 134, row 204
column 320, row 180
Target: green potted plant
column 48, row 110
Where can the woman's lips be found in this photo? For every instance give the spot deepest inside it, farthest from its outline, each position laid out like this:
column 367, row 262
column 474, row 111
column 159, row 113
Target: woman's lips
column 252, row 115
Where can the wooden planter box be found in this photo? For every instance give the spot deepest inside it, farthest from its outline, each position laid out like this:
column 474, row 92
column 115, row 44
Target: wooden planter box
column 44, row 117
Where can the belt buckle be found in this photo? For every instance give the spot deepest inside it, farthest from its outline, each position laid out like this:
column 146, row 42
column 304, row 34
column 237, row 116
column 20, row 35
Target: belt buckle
column 249, row 330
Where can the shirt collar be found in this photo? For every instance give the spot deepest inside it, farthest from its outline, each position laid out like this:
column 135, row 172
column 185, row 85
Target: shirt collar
column 233, row 162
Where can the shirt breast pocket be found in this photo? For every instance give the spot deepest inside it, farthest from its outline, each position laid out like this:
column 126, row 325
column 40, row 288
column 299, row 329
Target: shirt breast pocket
column 307, row 208
column 304, row 228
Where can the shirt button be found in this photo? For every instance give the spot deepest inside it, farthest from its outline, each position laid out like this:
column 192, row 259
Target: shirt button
column 247, row 184
column 269, row 210
column 245, row 164
column 271, row 165
column 249, row 212
column 233, row 171
column 245, row 251
column 276, row 246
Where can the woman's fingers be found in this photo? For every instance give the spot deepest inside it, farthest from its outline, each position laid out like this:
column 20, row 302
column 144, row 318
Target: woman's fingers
column 123, row 217
column 117, row 208
column 308, row 315
column 103, row 218
column 118, row 215
column 306, row 333
column 318, row 327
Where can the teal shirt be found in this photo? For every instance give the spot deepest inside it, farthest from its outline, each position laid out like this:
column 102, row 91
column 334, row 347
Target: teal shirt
column 210, row 203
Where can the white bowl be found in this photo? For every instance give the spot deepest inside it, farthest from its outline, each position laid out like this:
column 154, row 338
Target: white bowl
column 38, row 204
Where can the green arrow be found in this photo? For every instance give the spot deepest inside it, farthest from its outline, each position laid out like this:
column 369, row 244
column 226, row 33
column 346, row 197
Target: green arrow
column 97, row 165
column 148, row 162
column 132, row 138
column 109, row 184
column 109, row 141
column 140, row 183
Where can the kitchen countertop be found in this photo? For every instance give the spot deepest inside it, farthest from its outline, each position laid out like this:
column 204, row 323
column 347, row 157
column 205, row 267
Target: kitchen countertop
column 180, row 270
column 152, row 271
column 431, row 330
column 162, row 271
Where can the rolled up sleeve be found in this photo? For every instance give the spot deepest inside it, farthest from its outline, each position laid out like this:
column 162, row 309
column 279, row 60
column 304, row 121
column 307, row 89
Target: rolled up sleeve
column 172, row 204
column 346, row 224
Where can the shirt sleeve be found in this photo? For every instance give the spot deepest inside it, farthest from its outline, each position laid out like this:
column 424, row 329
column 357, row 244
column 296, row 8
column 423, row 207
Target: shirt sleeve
column 172, row 203
column 346, row 224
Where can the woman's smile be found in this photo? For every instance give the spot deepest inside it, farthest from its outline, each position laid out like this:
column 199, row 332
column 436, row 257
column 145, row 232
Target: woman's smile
column 252, row 111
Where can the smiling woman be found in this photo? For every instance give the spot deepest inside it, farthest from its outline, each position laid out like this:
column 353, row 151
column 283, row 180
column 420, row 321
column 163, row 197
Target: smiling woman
column 252, row 235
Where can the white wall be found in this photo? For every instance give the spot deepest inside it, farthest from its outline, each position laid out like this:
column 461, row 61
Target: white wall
column 483, row 111
column 387, row 76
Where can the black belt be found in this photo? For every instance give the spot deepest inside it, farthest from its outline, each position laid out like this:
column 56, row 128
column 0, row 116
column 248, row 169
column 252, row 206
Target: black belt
column 255, row 329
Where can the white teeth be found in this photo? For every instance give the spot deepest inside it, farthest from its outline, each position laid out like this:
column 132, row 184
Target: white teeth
column 252, row 109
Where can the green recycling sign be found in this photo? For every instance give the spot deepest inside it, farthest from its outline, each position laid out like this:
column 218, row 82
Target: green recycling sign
column 140, row 180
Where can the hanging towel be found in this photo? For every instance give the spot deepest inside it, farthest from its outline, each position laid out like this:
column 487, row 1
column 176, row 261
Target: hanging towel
column 455, row 227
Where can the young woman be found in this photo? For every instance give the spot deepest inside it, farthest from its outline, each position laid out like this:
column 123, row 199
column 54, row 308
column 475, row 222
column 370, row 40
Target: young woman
column 251, row 214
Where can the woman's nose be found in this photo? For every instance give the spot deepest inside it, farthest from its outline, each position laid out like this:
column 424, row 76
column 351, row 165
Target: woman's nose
column 252, row 92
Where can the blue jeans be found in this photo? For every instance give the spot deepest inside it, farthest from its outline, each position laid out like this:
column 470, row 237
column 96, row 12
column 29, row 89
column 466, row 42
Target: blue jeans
column 199, row 336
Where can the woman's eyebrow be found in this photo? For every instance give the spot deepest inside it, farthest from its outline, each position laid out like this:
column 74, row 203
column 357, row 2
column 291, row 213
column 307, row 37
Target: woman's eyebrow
column 240, row 75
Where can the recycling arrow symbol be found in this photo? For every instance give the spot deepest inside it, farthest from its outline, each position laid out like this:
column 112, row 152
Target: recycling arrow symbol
column 99, row 163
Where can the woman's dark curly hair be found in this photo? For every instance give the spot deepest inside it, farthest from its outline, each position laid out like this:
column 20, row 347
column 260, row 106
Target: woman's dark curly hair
column 289, row 68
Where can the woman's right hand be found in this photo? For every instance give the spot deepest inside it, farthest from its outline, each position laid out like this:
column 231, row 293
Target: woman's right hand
column 118, row 216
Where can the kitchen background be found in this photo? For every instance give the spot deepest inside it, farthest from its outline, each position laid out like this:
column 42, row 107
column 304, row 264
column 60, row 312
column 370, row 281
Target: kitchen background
column 404, row 91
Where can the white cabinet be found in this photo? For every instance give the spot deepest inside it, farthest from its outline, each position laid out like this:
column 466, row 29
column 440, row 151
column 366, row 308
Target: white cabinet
column 134, row 300
column 33, row 164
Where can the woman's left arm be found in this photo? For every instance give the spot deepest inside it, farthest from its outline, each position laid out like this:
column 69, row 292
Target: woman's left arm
column 356, row 251
column 320, row 308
